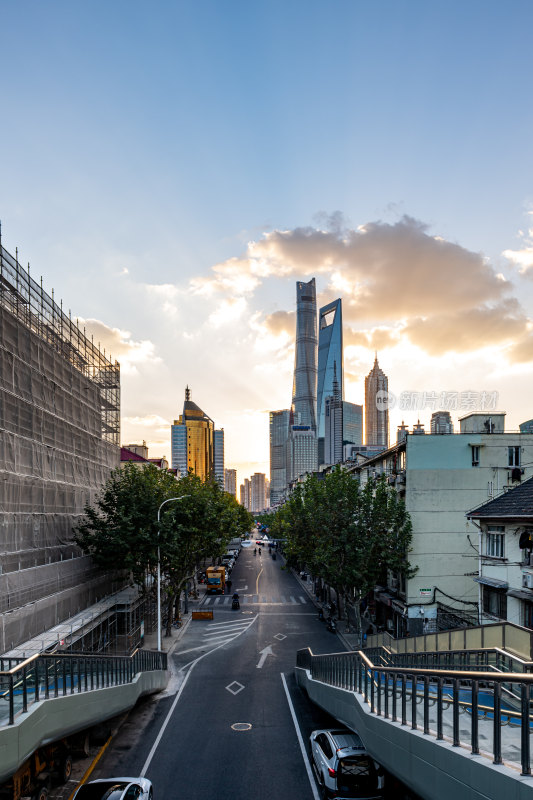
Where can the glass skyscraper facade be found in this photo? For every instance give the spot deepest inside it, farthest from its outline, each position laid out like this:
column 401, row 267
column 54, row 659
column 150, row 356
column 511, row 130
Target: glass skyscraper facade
column 279, row 434
column 352, row 423
column 330, row 362
column 305, row 361
column 218, row 456
column 192, row 441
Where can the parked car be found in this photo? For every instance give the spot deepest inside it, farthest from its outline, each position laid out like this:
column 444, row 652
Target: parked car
column 343, row 767
column 116, row 789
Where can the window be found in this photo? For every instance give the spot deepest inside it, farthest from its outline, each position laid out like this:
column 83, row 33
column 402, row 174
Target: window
column 475, row 455
column 495, row 541
column 495, row 602
column 514, row 456
column 528, row 615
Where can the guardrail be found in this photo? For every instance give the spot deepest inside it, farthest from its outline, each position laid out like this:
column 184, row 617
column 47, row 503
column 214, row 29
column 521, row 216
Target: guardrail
column 44, row 676
column 504, row 635
column 390, row 691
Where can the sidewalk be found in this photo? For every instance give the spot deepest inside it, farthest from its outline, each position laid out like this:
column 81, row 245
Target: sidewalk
column 169, row 643
column 350, row 640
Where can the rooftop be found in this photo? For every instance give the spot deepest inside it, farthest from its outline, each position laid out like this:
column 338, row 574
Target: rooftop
column 517, row 502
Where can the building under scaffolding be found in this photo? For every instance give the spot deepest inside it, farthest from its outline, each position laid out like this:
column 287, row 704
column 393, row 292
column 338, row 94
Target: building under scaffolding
column 59, row 440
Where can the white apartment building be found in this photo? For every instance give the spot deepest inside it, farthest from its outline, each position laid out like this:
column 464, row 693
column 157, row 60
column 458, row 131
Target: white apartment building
column 505, row 547
column 442, row 477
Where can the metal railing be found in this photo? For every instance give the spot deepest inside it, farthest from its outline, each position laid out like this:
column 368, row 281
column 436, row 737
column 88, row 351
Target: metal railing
column 433, row 699
column 505, row 635
column 41, row 677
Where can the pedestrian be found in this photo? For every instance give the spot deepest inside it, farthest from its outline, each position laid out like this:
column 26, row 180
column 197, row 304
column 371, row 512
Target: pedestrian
column 228, row 584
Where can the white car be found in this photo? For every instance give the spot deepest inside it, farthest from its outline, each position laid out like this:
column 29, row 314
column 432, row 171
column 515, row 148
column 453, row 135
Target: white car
column 343, row 767
column 116, row 789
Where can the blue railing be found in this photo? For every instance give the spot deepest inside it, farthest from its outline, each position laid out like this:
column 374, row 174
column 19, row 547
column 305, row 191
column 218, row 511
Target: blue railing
column 41, row 677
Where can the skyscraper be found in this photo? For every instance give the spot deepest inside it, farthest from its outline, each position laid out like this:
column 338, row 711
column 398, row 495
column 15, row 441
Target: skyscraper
column 302, row 444
column 230, row 481
column 279, row 433
column 258, row 492
column 441, row 422
column 218, row 456
column 192, row 441
column 333, row 424
column 330, row 361
column 352, row 423
column 376, row 407
column 305, row 362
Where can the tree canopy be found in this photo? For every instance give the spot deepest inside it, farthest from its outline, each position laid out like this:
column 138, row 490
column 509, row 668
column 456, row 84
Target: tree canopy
column 346, row 534
column 121, row 532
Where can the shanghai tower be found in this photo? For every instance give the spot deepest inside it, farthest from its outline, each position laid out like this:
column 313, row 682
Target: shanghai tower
column 305, row 363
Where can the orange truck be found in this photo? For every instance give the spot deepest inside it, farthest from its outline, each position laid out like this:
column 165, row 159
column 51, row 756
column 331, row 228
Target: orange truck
column 216, row 580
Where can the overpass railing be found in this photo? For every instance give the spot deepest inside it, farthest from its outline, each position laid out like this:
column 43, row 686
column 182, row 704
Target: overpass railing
column 41, row 677
column 434, row 700
column 503, row 635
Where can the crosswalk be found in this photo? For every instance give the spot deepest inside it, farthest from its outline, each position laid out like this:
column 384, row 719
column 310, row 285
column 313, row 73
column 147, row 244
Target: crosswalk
column 257, row 599
column 219, row 633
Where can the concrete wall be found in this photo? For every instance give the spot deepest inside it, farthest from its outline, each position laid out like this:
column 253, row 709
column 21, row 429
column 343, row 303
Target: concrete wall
column 53, row 719
column 434, row 769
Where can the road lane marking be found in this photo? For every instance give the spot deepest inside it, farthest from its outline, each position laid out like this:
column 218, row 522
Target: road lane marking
column 234, row 688
column 257, row 581
column 266, row 651
column 300, row 741
column 191, row 666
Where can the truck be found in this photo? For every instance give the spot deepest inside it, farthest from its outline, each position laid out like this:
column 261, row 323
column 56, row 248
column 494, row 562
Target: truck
column 216, row 580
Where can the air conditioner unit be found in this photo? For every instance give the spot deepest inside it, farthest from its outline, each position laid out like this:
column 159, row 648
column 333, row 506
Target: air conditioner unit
column 527, row 580
column 400, row 478
column 394, row 583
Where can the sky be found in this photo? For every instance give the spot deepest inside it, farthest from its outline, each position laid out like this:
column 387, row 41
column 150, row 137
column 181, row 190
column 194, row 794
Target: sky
column 172, row 169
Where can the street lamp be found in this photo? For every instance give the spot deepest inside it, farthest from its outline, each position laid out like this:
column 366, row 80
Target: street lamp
column 159, row 567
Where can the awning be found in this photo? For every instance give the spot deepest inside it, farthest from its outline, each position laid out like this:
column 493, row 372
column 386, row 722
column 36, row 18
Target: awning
column 494, row 582
column 521, row 594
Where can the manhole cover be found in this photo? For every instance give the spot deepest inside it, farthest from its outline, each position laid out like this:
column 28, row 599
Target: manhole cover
column 241, row 726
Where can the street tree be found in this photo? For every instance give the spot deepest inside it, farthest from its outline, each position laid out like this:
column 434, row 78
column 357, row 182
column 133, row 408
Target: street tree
column 346, row 535
column 121, row 530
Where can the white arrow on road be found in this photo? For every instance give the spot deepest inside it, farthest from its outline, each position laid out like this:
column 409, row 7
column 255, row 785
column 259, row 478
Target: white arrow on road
column 264, row 653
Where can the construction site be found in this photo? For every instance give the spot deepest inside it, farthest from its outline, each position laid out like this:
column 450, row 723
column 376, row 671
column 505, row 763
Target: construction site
column 59, row 441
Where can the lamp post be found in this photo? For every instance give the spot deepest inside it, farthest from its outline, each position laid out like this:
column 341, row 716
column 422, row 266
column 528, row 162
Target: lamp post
column 168, row 500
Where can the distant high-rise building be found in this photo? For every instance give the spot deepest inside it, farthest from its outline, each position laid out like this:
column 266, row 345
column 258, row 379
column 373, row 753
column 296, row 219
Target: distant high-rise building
column 302, row 445
column 192, row 441
column 258, row 492
column 305, row 360
column 352, row 423
column 218, row 456
column 302, row 452
column 279, row 434
column 376, row 407
column 441, row 422
column 230, row 481
column 333, row 424
column 330, row 362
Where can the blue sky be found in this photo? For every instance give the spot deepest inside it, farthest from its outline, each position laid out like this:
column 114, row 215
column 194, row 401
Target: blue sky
column 144, row 144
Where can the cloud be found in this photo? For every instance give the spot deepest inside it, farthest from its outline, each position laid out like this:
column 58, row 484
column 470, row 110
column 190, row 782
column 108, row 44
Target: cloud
column 227, row 312
column 148, row 421
column 523, row 258
column 374, row 339
column 414, row 284
column 280, row 322
column 119, row 345
column 470, row 329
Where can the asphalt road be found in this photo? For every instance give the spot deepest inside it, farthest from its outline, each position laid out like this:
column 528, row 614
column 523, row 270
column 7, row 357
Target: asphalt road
column 231, row 721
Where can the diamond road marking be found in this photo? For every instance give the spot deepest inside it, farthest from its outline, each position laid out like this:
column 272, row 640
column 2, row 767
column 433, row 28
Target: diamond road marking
column 280, row 637
column 235, row 687
column 241, row 726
